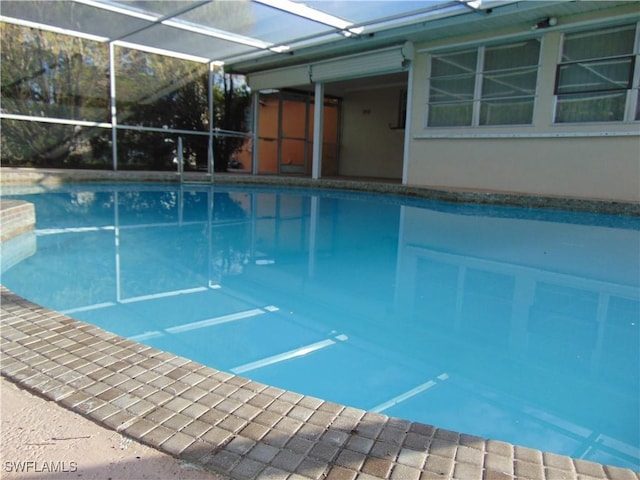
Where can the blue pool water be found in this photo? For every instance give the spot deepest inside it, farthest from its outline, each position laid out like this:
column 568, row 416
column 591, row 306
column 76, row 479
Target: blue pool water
column 507, row 323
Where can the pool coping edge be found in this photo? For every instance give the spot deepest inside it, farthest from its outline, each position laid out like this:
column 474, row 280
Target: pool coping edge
column 238, row 427
column 47, row 178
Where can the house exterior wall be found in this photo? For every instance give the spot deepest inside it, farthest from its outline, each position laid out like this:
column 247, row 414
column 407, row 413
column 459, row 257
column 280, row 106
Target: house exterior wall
column 584, row 167
column 370, row 145
column 587, row 160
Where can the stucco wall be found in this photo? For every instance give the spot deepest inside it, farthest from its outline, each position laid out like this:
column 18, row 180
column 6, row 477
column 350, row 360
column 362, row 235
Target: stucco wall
column 369, row 144
column 591, row 167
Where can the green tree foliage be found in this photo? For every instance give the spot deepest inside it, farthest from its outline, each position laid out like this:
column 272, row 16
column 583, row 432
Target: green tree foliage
column 54, row 76
column 50, row 75
column 231, row 104
column 160, row 92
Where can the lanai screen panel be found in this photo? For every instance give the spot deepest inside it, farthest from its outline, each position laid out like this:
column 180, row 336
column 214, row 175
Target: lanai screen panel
column 224, row 30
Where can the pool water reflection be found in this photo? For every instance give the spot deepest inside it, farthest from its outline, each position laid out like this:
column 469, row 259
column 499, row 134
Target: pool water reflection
column 507, row 323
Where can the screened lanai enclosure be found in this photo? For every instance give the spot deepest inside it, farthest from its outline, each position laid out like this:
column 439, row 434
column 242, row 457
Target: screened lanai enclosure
column 408, row 91
column 146, row 85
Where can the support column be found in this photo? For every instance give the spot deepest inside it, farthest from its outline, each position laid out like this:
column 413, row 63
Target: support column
column 255, row 97
column 407, row 127
column 318, row 123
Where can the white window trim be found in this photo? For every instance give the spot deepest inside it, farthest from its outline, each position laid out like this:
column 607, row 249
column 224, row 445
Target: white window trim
column 521, row 134
column 477, row 87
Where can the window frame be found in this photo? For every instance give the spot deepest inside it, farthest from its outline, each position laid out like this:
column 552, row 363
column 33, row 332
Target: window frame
column 479, row 74
column 628, row 86
column 472, row 100
column 632, row 97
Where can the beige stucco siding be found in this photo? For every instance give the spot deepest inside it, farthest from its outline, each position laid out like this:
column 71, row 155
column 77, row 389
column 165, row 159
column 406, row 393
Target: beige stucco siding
column 589, row 167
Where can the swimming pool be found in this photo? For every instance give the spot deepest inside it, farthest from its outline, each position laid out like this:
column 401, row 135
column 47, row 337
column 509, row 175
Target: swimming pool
column 515, row 324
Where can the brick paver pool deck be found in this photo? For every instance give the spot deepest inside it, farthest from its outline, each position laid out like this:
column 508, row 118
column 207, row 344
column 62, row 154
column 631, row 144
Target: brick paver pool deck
column 239, row 427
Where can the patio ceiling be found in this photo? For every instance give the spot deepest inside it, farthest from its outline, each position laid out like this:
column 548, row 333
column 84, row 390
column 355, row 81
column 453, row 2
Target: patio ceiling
column 250, row 35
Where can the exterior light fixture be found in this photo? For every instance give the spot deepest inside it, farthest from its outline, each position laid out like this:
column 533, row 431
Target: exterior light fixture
column 546, row 23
